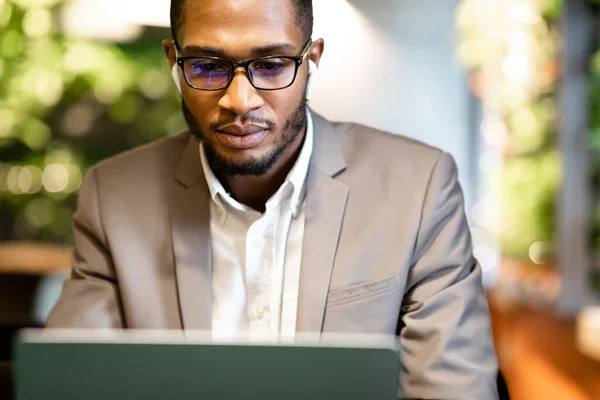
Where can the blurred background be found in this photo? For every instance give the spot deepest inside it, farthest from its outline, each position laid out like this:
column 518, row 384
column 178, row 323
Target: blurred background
column 511, row 88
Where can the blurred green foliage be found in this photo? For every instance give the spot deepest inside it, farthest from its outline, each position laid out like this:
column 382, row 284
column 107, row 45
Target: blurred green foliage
column 531, row 177
column 514, row 60
column 531, row 180
column 72, row 102
column 529, row 185
column 532, row 171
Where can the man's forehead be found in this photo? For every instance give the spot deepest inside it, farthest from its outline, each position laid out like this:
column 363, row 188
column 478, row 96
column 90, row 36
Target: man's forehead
column 242, row 7
column 225, row 23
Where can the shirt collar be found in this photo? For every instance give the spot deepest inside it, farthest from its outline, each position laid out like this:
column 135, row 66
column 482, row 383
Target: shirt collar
column 296, row 178
column 299, row 172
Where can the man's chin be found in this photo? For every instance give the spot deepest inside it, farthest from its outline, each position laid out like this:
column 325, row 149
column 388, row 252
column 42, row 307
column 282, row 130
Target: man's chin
column 231, row 162
column 238, row 157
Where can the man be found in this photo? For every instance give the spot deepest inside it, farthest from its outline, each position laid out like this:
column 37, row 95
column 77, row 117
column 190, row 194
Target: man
column 265, row 218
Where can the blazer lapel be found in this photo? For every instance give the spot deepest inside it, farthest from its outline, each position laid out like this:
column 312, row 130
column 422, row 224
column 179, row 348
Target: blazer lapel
column 326, row 200
column 190, row 219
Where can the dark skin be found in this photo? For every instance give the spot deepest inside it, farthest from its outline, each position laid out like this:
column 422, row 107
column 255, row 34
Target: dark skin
column 236, row 28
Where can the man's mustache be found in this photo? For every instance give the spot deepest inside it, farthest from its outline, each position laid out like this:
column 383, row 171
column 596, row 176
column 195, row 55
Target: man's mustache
column 216, row 126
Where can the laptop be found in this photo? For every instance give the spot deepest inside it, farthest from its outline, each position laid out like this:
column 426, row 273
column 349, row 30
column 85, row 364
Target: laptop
column 148, row 365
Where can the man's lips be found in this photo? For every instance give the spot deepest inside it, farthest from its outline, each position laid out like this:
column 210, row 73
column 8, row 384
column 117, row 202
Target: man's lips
column 241, row 141
column 242, row 130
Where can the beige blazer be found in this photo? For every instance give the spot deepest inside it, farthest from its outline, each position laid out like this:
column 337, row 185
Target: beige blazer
column 387, row 250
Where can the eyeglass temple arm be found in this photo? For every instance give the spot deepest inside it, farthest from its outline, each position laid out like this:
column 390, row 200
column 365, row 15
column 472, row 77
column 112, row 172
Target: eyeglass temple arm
column 176, row 46
column 306, row 49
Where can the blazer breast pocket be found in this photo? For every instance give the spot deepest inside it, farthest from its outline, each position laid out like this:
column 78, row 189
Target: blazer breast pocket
column 369, row 308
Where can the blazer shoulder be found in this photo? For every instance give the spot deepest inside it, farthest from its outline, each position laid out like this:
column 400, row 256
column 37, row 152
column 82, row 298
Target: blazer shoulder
column 362, row 143
column 158, row 157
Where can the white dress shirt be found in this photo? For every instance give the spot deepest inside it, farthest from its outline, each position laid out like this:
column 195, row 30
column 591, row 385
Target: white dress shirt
column 256, row 257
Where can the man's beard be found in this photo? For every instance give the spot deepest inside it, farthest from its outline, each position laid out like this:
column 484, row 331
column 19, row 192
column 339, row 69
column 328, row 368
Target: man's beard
column 294, row 126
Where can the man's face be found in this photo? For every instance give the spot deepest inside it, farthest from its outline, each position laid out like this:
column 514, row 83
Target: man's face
column 245, row 130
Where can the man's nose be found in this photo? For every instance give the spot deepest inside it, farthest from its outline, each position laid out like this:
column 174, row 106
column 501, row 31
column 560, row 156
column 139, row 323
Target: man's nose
column 240, row 96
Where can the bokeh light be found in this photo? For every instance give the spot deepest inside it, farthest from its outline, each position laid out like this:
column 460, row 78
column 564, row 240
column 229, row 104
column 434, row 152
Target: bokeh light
column 55, row 178
column 78, row 120
column 32, row 178
column 154, row 84
column 489, row 161
column 75, row 178
column 489, row 260
column 25, row 180
column 479, row 237
column 12, row 180
column 5, row 13
column 46, row 85
column 481, row 214
column 37, row 22
column 7, row 122
column 493, row 130
column 538, row 252
column 35, row 134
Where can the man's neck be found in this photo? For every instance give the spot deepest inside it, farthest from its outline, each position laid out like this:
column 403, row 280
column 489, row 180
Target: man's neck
column 254, row 191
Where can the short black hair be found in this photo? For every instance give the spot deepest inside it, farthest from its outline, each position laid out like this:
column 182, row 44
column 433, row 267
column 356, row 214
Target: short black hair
column 303, row 9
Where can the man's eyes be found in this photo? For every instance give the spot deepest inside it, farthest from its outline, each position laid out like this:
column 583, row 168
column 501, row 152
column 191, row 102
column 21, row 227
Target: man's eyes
column 269, row 65
column 200, row 67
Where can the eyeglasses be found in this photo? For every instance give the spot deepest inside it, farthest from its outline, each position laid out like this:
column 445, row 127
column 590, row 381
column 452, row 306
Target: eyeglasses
column 267, row 73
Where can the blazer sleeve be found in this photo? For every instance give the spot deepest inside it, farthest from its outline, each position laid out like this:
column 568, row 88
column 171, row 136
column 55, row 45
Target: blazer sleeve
column 90, row 297
column 448, row 351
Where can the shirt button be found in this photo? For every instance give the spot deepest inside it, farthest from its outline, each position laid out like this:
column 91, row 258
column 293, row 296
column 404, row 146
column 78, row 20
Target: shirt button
column 261, row 312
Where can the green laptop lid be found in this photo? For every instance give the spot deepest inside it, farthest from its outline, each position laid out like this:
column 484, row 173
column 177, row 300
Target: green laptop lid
column 159, row 365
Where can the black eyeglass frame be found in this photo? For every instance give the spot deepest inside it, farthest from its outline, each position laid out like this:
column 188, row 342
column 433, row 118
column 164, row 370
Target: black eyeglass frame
column 299, row 59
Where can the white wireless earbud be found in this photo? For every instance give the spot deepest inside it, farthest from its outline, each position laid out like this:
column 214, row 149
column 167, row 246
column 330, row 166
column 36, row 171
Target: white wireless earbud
column 312, row 76
column 176, row 76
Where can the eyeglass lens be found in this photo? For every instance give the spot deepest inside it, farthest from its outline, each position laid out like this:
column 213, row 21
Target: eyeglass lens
column 269, row 73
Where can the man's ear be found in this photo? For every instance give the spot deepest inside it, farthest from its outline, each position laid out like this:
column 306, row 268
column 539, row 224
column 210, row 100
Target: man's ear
column 314, row 57
column 316, row 51
column 169, row 48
